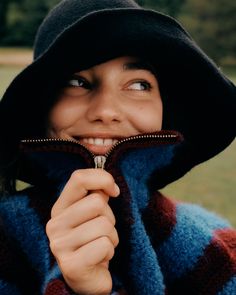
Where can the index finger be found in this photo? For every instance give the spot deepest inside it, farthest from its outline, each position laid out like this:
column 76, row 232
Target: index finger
column 80, row 183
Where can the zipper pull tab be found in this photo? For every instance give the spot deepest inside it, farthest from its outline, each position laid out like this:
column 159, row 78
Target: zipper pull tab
column 100, row 161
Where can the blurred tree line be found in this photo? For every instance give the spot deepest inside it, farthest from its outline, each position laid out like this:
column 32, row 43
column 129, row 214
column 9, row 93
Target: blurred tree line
column 211, row 23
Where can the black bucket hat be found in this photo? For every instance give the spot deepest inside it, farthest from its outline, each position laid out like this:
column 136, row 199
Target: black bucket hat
column 199, row 101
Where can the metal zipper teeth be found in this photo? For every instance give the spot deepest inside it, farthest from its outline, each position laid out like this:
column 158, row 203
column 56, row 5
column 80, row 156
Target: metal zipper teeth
column 56, row 140
column 46, row 140
column 160, row 136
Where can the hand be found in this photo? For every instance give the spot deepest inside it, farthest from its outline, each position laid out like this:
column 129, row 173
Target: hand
column 82, row 231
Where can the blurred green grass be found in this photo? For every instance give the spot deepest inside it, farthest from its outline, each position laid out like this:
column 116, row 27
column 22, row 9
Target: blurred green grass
column 7, row 73
column 211, row 184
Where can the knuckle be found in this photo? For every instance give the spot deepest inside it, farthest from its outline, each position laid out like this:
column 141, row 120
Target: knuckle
column 111, row 253
column 116, row 238
column 106, row 243
column 54, row 225
column 113, row 219
column 108, row 178
column 56, row 246
column 76, row 175
column 99, row 203
column 108, row 247
column 53, row 211
column 50, row 227
column 106, row 224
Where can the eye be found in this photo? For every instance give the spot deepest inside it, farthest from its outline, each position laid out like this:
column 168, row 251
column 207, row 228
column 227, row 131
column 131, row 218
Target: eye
column 140, row 86
column 77, row 81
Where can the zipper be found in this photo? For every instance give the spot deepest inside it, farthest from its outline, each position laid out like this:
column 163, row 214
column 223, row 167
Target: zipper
column 100, row 160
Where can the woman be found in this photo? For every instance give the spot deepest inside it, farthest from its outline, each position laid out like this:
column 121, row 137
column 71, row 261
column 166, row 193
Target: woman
column 126, row 90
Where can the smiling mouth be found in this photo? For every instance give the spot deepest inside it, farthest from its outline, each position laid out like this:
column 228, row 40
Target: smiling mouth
column 99, row 141
column 97, row 145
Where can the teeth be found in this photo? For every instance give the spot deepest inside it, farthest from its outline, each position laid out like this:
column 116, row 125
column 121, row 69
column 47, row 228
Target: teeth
column 108, row 141
column 100, row 141
column 91, row 140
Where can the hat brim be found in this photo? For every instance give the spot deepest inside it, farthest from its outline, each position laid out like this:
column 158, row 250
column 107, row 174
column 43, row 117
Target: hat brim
column 199, row 101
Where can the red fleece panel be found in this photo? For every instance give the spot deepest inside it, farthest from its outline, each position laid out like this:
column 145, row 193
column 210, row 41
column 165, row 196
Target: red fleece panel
column 56, row 287
column 228, row 237
column 213, row 269
column 160, row 216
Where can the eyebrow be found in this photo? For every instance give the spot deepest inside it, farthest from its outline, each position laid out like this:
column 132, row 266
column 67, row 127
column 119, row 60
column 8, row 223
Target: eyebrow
column 140, row 65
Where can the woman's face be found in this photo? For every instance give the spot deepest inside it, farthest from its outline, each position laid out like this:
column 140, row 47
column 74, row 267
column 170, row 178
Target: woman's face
column 107, row 102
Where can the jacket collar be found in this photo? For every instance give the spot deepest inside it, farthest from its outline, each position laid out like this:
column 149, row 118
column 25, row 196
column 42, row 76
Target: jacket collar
column 146, row 158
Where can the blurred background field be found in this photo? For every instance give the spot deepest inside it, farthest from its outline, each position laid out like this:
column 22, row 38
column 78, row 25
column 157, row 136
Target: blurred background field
column 211, row 184
column 212, row 25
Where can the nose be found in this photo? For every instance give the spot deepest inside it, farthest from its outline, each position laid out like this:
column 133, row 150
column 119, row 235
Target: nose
column 105, row 107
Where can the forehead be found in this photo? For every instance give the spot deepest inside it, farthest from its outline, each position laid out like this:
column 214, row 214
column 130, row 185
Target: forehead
column 125, row 64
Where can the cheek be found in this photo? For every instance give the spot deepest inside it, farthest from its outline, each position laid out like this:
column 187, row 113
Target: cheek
column 63, row 115
column 148, row 116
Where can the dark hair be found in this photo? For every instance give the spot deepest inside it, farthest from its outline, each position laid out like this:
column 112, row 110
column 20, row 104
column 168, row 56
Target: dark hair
column 8, row 170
